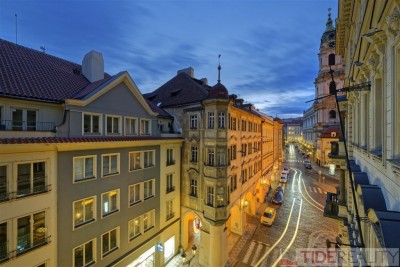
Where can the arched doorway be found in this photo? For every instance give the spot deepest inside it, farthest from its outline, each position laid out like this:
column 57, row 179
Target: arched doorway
column 191, row 225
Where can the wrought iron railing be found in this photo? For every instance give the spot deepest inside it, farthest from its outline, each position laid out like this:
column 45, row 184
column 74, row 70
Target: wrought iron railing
column 23, row 192
column 13, row 125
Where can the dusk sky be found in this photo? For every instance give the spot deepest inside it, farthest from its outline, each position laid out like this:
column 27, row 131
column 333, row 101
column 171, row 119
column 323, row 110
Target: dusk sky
column 269, row 49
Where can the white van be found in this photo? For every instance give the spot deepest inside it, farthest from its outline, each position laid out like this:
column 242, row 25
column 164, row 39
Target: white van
column 283, row 177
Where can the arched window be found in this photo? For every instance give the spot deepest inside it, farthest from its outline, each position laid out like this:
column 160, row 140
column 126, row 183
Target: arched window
column 332, row 114
column 331, row 59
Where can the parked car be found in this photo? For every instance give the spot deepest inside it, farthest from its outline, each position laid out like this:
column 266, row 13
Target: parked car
column 284, row 177
column 277, row 197
column 307, row 164
column 268, row 216
column 285, row 170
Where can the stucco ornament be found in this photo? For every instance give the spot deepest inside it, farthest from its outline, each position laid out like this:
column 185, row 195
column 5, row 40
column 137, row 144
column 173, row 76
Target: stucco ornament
column 372, row 63
column 393, row 22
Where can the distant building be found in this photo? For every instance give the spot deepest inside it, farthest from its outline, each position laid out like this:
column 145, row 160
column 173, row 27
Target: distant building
column 86, row 176
column 229, row 156
column 293, row 130
column 330, row 134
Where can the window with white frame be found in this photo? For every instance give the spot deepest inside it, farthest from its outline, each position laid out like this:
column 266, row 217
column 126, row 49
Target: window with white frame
column 4, row 236
column 193, row 121
column 91, row 123
column 148, row 158
column 31, row 178
column 84, row 168
column 170, row 209
column 134, row 194
column 210, row 120
column 193, row 157
column 109, row 242
column 148, row 220
column 110, row 164
column 221, row 120
column 24, row 119
column 170, row 182
column 211, row 156
column 131, row 126
column 113, row 124
column 85, row 254
column 31, row 231
column 145, row 128
column 134, row 228
column 193, row 187
column 210, row 196
column 170, row 156
column 84, row 211
column 135, row 161
column 221, row 159
column 110, row 202
column 148, row 189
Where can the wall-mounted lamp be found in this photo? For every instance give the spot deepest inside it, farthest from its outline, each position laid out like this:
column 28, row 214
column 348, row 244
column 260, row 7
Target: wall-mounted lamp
column 358, row 63
column 245, row 203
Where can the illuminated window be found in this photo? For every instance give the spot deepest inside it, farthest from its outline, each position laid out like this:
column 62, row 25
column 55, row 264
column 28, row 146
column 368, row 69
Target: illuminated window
column 170, row 209
column 84, row 211
column 110, row 202
column 148, row 189
column 31, row 231
column 134, row 228
column 84, row 255
column 135, row 161
column 134, row 194
column 148, row 220
column 31, row 178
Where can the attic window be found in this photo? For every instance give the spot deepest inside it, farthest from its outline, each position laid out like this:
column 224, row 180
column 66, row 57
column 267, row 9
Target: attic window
column 175, row 92
column 333, row 134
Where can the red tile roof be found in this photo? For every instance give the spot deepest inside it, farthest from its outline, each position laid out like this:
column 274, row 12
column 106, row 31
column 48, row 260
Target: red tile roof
column 53, row 140
column 30, row 74
column 327, row 132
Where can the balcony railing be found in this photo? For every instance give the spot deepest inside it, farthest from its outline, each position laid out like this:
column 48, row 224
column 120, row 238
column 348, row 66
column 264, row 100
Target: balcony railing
column 12, row 125
column 28, row 191
column 25, row 244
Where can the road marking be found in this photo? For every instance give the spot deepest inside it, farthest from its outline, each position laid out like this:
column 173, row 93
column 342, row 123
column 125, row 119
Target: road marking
column 255, row 257
column 280, row 238
column 319, row 190
column 249, row 251
column 315, row 190
column 305, row 189
column 293, row 238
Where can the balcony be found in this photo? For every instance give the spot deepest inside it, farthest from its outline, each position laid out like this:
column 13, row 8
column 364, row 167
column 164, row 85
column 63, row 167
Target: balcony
column 24, row 245
column 216, row 214
column 39, row 126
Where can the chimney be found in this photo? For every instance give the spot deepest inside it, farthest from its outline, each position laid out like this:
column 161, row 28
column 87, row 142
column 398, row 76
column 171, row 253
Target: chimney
column 189, row 71
column 93, row 66
column 204, row 80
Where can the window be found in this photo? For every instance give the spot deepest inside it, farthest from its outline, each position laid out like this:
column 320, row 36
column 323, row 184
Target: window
column 211, row 157
column 193, row 122
column 170, row 209
column 169, row 248
column 148, row 159
column 131, row 127
column 193, row 187
column 134, row 194
column 134, row 228
column 170, row 183
column 135, row 161
column 113, row 125
column 221, row 159
column 210, row 120
column 84, row 168
column 110, row 164
column 3, row 241
column 250, row 146
column 24, row 119
column 194, row 154
column 84, row 255
column 332, row 114
column 110, row 202
column 3, row 184
column 170, row 156
column 243, row 125
column 220, row 197
column 31, row 231
column 84, row 211
column 109, row 242
column 148, row 220
column 233, row 183
column 221, row 120
column 210, row 196
column 234, row 124
column 145, row 127
column 91, row 124
column 331, row 59
column 31, row 178
column 234, row 151
column 148, row 189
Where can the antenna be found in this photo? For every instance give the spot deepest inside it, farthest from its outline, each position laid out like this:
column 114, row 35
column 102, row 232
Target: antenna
column 43, row 49
column 16, row 29
column 219, row 69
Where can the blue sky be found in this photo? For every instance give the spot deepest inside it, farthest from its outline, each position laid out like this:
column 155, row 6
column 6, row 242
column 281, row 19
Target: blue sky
column 269, row 48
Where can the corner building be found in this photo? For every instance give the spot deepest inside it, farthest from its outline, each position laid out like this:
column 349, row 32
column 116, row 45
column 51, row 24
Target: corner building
column 227, row 160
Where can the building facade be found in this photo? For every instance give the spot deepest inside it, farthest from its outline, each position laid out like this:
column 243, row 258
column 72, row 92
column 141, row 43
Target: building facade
column 293, row 130
column 368, row 38
column 89, row 171
column 227, row 160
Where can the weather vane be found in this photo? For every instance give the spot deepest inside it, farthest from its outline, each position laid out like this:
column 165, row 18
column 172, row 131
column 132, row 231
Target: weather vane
column 219, row 69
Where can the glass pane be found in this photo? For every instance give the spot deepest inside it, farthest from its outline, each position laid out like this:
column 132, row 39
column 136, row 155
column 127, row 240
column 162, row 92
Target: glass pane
column 39, row 179
column 24, row 179
column 3, row 240
column 39, row 228
column 86, row 123
column 89, row 209
column 115, row 125
column 3, row 182
column 113, row 201
column 31, row 118
column 106, row 166
column 89, row 168
column 114, row 162
column 78, row 169
column 113, row 239
column 88, row 252
column 78, row 207
column 96, row 124
column 105, row 239
column 109, row 125
column 24, row 234
column 137, row 192
column 78, row 253
column 17, row 120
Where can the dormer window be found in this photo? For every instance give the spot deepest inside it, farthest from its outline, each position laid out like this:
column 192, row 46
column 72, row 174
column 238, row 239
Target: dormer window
column 113, row 125
column 145, row 128
column 91, row 123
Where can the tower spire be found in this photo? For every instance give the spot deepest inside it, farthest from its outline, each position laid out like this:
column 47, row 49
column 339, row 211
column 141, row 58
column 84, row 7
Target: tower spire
column 219, row 69
column 329, row 24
